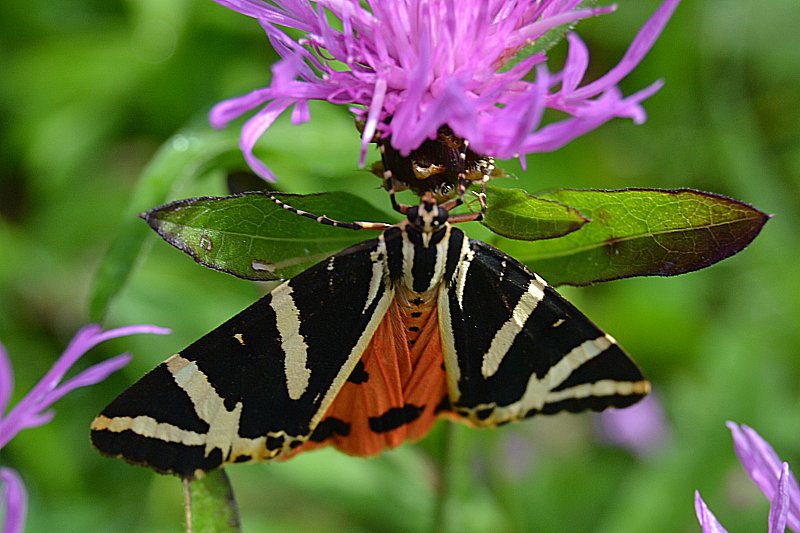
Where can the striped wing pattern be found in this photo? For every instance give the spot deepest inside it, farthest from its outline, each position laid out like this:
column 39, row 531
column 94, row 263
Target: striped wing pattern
column 513, row 347
column 364, row 351
column 256, row 387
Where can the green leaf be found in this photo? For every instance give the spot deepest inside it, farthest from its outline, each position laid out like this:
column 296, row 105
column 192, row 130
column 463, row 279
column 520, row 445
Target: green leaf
column 251, row 237
column 212, row 505
column 641, row 232
column 186, row 155
column 515, row 214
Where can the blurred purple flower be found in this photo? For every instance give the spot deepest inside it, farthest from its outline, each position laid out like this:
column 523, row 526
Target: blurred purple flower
column 708, row 522
column 412, row 66
column 764, row 467
column 34, row 409
column 773, row 477
column 641, row 428
column 12, row 493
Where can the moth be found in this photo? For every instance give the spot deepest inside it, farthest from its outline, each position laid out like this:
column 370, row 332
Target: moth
column 367, row 349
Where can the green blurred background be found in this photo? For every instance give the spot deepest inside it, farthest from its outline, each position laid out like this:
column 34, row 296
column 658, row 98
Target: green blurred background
column 90, row 89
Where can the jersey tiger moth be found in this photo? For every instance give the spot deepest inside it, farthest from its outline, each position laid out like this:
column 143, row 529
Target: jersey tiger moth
column 366, row 350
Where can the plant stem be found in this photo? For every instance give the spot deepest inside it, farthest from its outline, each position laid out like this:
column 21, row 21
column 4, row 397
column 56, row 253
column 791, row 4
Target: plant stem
column 211, row 506
column 445, row 479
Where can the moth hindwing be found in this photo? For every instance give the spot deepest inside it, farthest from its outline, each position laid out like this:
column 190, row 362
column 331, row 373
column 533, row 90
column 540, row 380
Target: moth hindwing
column 366, row 350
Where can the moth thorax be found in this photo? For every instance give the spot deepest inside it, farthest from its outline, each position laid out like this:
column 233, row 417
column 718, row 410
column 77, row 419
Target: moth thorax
column 427, row 217
column 424, row 258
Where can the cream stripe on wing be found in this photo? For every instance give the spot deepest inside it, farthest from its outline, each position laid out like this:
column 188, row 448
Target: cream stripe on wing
column 208, row 404
column 148, row 427
column 378, row 271
column 536, row 394
column 441, row 260
column 295, row 349
column 604, row 387
column 467, row 255
column 504, row 338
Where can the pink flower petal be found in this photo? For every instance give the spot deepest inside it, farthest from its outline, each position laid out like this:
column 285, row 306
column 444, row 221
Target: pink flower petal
column 765, row 468
column 14, row 499
column 779, row 508
column 708, row 522
column 641, row 44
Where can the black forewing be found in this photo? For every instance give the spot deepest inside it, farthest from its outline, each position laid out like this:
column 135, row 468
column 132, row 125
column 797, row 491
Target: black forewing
column 529, row 373
column 244, row 362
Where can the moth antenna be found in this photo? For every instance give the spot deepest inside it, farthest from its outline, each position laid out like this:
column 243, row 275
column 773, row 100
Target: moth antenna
column 323, row 219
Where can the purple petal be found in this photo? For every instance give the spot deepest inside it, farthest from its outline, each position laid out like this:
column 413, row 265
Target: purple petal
column 539, row 28
column 255, row 128
column 577, row 62
column 228, row 110
column 641, row 44
column 29, row 412
column 126, row 331
column 6, row 380
column 764, row 467
column 708, row 522
column 779, row 508
column 371, row 125
column 86, row 339
column 91, row 376
column 14, row 500
column 251, row 8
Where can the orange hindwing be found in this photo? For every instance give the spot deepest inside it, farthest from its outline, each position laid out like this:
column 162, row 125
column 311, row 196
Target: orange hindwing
column 394, row 392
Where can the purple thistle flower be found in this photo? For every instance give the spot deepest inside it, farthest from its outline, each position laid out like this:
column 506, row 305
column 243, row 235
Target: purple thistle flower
column 773, row 477
column 412, row 66
column 34, row 409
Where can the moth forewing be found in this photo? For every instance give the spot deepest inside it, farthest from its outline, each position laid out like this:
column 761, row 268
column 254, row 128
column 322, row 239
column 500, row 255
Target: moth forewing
column 256, row 387
column 513, row 347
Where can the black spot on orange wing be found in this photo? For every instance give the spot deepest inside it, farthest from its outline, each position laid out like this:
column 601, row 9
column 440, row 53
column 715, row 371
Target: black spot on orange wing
column 395, row 418
column 359, row 374
column 329, row 428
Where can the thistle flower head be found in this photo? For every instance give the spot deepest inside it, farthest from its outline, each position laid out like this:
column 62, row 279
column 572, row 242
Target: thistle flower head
column 409, row 67
column 34, row 409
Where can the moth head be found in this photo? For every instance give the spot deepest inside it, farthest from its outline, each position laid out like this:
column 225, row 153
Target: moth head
column 427, row 217
column 439, row 165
